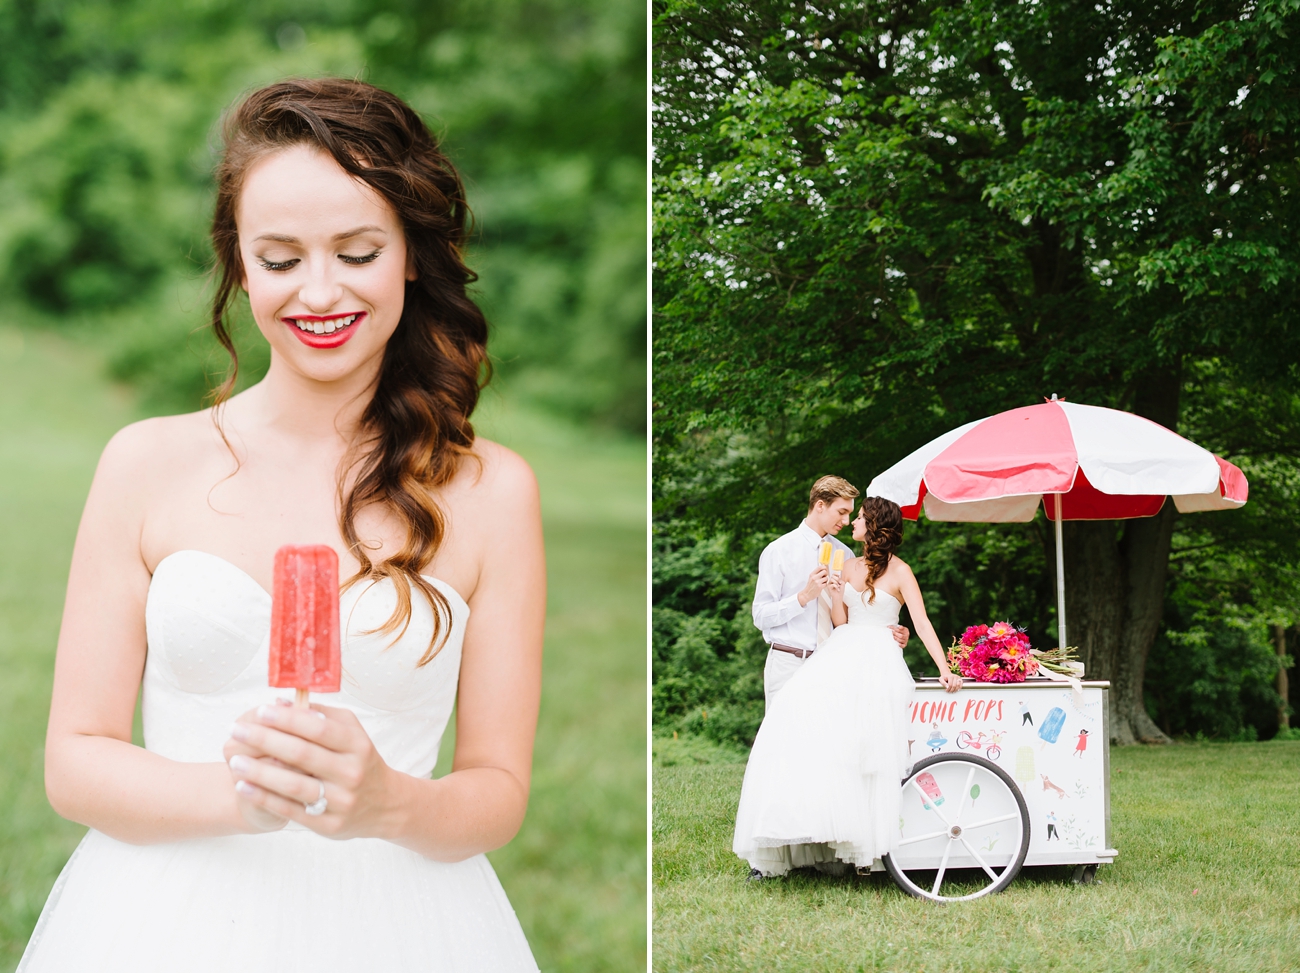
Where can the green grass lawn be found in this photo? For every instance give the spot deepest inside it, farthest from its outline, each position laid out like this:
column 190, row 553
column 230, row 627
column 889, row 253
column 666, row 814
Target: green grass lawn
column 1208, row 879
column 576, row 872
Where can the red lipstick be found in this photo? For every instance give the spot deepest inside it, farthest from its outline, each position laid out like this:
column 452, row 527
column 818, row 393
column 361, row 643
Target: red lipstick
column 338, row 337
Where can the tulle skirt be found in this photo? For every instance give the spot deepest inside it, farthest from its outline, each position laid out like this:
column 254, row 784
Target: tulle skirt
column 823, row 778
column 273, row 903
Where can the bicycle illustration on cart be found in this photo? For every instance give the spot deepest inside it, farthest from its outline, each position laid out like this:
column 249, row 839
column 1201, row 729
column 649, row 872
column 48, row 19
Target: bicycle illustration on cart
column 990, row 743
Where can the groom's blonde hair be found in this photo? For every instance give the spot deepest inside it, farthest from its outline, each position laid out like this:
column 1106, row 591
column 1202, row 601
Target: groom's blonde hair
column 829, row 488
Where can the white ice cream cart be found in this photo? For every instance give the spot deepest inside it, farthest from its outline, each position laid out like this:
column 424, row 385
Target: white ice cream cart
column 1018, row 774
column 1004, row 775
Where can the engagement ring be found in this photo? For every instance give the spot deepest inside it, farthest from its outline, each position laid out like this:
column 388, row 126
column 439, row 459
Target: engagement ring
column 318, row 806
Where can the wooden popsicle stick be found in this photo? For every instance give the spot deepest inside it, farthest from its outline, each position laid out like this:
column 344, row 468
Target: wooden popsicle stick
column 300, row 697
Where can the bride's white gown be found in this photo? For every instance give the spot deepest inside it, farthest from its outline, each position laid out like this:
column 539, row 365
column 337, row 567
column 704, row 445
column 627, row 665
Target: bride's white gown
column 823, row 780
column 290, row 900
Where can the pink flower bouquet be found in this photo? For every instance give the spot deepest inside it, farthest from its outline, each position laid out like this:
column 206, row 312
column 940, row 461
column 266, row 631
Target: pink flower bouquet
column 993, row 653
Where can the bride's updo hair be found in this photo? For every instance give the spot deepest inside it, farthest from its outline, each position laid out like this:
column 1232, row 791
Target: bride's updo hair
column 884, row 532
column 416, row 431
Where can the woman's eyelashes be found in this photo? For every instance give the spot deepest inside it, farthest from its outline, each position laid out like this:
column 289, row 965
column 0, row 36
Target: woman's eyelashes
column 274, row 265
column 365, row 259
column 352, row 259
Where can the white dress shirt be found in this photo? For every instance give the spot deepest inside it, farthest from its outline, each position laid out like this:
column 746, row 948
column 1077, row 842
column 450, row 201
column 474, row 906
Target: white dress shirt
column 783, row 570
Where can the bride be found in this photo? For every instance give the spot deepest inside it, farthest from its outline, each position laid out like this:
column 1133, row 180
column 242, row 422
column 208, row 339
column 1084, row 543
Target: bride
column 262, row 837
column 824, row 776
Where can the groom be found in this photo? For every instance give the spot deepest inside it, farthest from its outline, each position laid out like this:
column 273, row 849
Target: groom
column 791, row 604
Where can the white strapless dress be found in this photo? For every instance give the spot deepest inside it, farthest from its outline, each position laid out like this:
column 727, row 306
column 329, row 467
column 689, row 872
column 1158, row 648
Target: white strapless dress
column 824, row 774
column 291, row 900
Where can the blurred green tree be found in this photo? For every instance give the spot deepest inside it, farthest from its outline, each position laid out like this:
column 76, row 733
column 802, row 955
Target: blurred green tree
column 108, row 116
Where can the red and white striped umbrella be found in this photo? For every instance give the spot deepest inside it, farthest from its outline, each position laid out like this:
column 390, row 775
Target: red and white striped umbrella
column 1097, row 464
column 1104, row 464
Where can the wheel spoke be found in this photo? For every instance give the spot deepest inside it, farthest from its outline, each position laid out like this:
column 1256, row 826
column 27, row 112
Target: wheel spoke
column 1006, row 817
column 976, row 855
column 925, row 799
column 922, row 837
column 943, row 867
column 965, row 789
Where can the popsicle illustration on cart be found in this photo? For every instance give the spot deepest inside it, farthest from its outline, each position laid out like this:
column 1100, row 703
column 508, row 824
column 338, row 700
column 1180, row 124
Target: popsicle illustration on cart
column 1025, row 765
column 1050, row 731
column 931, row 788
column 304, row 651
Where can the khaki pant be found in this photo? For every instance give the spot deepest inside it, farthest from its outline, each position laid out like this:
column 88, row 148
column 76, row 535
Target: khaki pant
column 778, row 670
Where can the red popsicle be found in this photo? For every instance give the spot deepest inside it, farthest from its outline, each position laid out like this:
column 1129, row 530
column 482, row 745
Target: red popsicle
column 305, row 620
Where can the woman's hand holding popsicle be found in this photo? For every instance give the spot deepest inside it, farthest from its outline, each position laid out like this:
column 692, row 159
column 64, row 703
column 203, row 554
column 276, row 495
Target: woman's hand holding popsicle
column 281, row 755
column 835, row 587
column 258, row 818
column 296, row 763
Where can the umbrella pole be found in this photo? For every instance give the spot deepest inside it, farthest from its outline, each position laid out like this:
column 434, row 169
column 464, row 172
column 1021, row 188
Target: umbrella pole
column 1060, row 578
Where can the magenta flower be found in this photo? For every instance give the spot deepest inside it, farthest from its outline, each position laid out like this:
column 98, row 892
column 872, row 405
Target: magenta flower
column 993, row 653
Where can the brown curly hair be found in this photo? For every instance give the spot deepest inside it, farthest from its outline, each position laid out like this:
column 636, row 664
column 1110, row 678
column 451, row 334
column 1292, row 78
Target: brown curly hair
column 415, row 432
column 884, row 532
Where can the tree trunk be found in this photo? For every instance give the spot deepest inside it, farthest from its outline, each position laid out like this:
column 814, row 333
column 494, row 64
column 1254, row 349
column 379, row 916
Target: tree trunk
column 1293, row 685
column 1094, row 598
column 1283, row 690
column 1115, row 586
column 1145, row 552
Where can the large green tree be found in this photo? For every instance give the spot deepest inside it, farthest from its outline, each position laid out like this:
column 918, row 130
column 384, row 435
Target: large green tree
column 878, row 220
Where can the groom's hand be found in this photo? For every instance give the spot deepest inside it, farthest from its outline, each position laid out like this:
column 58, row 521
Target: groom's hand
column 816, row 582
column 901, row 635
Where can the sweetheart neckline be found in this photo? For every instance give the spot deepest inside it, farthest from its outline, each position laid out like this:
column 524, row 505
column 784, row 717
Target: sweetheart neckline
column 879, row 591
column 444, row 586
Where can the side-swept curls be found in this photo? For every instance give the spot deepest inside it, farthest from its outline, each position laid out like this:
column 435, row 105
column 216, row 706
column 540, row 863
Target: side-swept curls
column 415, row 433
column 884, row 524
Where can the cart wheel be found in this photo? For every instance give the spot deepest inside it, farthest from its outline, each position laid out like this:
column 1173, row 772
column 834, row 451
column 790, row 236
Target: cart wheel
column 1085, row 875
column 959, row 843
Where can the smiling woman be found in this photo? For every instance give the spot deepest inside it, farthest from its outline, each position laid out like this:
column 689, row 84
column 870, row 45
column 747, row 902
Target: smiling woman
column 214, row 847
column 299, row 279
column 321, row 284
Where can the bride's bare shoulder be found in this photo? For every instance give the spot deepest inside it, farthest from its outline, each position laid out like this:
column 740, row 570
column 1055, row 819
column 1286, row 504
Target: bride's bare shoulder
column 159, row 446
column 492, row 475
column 898, row 568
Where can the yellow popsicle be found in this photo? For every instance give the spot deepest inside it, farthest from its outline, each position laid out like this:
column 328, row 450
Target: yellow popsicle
column 837, row 564
column 825, row 557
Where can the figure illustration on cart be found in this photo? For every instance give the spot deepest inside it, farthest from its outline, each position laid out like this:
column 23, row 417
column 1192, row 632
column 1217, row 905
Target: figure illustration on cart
column 1082, row 745
column 1051, row 825
column 1049, row 786
column 936, row 739
column 1025, row 715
